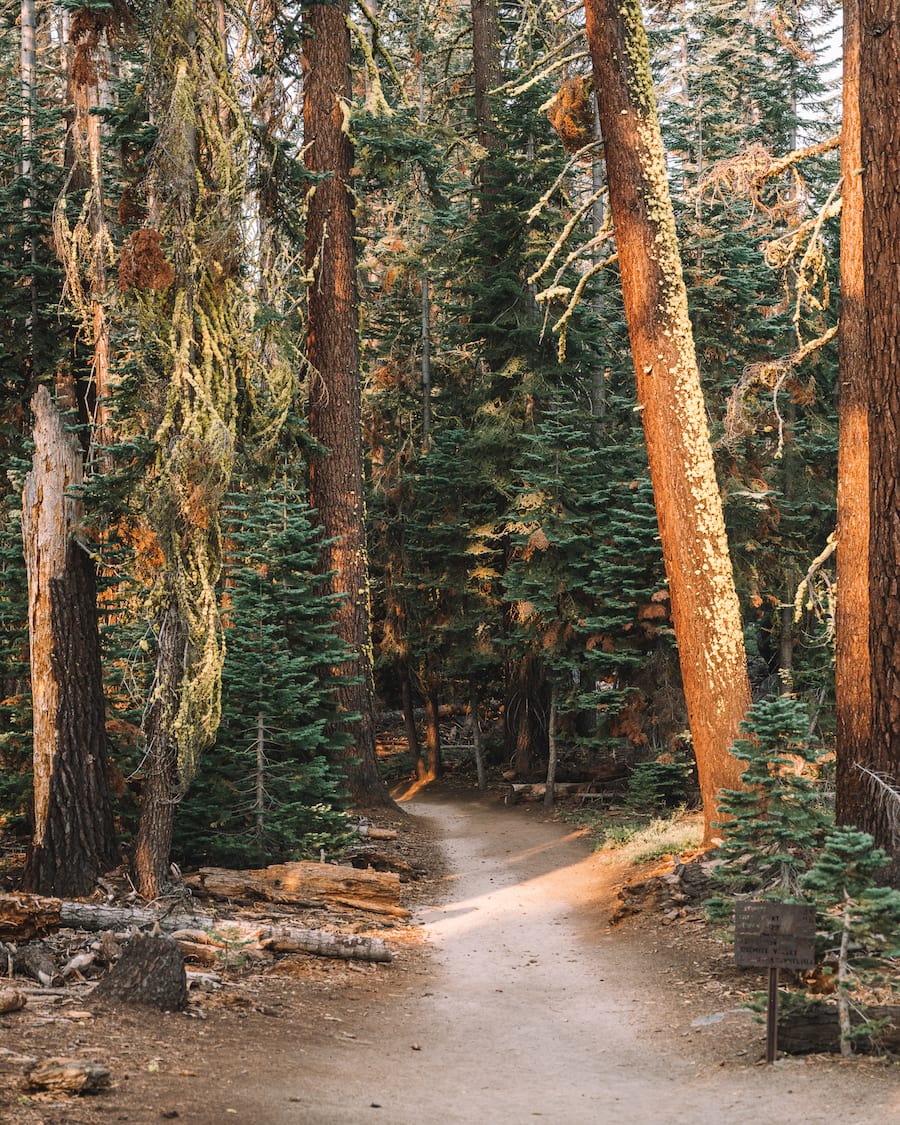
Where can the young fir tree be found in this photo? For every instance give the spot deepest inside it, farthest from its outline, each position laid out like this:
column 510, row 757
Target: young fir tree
column 778, row 820
column 266, row 791
column 856, row 917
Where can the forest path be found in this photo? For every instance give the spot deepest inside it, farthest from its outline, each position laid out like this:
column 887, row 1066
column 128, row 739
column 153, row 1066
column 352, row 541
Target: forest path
column 533, row 1009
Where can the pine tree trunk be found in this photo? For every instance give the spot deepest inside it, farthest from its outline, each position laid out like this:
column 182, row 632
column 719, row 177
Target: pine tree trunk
column 552, row 755
column 477, row 739
column 525, row 714
column 74, row 835
column 28, row 79
column 879, row 105
column 705, row 609
column 161, row 786
column 336, row 476
column 409, row 722
column 486, row 75
column 433, row 735
column 852, row 668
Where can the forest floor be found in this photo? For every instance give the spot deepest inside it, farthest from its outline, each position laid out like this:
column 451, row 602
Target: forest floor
column 511, row 997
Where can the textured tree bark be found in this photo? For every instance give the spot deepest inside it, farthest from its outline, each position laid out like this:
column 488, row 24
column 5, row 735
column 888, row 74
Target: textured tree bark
column 336, row 476
column 852, row 666
column 525, row 713
column 486, row 75
column 435, row 762
column 705, row 609
column 161, row 785
column 409, row 722
column 149, row 972
column 879, row 107
column 74, row 836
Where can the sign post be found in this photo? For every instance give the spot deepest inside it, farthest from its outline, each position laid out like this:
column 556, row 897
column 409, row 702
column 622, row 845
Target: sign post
column 773, row 936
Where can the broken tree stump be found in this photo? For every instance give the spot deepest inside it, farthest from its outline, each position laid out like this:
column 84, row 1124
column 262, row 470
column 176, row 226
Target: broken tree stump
column 306, row 884
column 150, row 972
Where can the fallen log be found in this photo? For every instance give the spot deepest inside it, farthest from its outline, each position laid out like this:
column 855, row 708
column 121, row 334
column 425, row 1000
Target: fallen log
column 374, row 833
column 24, row 917
column 814, row 1029
column 537, row 791
column 305, row 884
column 56, row 914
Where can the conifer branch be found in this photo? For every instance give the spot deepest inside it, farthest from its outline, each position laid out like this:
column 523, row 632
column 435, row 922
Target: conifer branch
column 805, row 585
column 554, row 187
column 884, row 793
column 563, row 322
column 771, row 373
column 565, row 234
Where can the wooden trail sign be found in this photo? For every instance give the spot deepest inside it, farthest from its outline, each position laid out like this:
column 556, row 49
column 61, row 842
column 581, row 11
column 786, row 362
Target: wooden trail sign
column 773, row 936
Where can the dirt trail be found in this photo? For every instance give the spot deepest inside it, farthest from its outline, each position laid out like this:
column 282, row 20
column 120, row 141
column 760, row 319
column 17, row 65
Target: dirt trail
column 526, row 1006
column 535, row 1010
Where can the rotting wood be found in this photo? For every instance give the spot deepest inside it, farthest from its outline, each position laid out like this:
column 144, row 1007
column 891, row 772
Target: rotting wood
column 25, row 916
column 305, row 884
column 365, row 858
column 150, row 972
column 815, row 1029
column 12, row 1000
column 68, row 1076
column 537, row 791
column 374, row 833
column 95, row 917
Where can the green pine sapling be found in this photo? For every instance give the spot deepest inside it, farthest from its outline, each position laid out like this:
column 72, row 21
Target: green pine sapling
column 777, row 821
column 856, row 916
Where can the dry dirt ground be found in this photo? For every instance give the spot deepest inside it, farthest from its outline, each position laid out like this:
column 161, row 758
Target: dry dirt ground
column 510, row 998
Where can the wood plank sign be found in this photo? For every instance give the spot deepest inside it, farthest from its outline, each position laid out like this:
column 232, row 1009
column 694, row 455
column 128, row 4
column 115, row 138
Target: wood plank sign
column 774, row 935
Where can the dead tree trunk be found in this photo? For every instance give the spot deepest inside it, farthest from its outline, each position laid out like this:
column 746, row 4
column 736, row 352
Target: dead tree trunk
column 705, row 609
column 74, row 836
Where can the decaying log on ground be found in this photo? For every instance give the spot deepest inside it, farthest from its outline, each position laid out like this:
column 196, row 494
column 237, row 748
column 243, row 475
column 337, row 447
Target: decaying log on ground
column 24, row 917
column 537, row 791
column 12, row 1000
column 814, row 1029
column 222, row 932
column 373, row 833
column 68, row 1076
column 305, row 884
column 364, row 856
column 149, row 972
column 284, row 939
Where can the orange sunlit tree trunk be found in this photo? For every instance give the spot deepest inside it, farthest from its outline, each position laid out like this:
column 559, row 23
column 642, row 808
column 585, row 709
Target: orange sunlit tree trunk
column 852, row 689
column 705, row 609
column 336, row 475
column 879, row 108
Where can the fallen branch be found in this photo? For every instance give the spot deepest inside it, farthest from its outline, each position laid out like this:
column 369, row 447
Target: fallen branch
column 54, row 914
